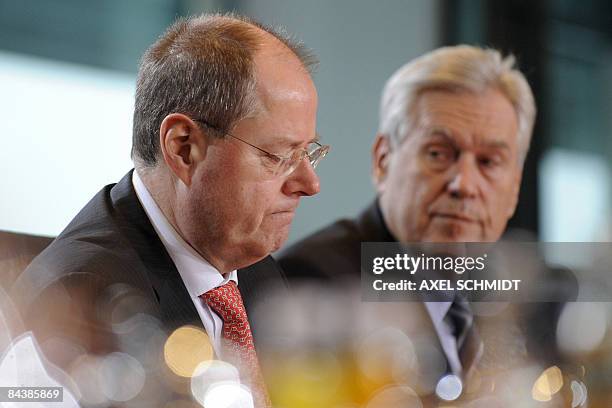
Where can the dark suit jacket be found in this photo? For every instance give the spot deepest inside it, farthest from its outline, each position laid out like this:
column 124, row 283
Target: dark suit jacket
column 333, row 255
column 110, row 248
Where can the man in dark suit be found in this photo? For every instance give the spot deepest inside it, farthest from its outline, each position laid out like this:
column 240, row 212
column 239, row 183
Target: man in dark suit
column 224, row 147
column 454, row 131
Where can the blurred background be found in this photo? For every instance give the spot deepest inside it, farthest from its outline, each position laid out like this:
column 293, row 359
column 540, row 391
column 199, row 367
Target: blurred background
column 67, row 73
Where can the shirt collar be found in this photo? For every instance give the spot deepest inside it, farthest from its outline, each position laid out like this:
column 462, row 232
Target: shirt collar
column 437, row 310
column 197, row 273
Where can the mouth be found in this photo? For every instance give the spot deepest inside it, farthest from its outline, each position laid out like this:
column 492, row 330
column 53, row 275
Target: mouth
column 455, row 217
column 287, row 211
column 284, row 216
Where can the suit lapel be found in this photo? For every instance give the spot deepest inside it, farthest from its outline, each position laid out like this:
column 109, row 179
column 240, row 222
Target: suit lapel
column 176, row 306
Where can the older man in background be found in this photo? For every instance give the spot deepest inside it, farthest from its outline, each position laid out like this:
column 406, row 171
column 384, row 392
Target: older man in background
column 224, row 147
column 454, row 131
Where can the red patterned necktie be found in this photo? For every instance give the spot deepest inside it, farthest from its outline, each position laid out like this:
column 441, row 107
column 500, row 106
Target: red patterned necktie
column 226, row 301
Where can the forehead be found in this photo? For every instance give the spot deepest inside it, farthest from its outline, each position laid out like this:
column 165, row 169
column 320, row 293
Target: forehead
column 484, row 116
column 286, row 96
column 280, row 75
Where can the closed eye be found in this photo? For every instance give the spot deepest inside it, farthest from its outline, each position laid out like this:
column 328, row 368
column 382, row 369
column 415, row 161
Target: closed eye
column 273, row 159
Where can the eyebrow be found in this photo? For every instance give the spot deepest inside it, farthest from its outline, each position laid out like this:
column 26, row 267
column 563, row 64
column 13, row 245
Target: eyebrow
column 448, row 135
column 443, row 133
column 282, row 141
column 497, row 145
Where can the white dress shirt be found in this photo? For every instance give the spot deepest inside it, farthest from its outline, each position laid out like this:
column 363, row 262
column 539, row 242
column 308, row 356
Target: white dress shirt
column 437, row 311
column 198, row 275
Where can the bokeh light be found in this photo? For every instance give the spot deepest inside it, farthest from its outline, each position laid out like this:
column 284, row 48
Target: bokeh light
column 547, row 384
column 449, row 388
column 395, row 397
column 86, row 372
column 384, row 350
column 210, row 372
column 228, row 395
column 307, row 379
column 582, row 327
column 579, row 394
column 185, row 349
column 123, row 376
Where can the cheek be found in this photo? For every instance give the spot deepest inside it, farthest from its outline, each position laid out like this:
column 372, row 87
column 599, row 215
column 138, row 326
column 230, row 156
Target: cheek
column 252, row 205
column 499, row 205
column 410, row 197
column 501, row 200
column 427, row 191
column 220, row 199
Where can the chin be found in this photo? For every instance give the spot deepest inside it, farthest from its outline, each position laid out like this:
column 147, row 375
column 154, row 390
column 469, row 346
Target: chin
column 263, row 247
column 279, row 242
column 262, row 242
column 449, row 235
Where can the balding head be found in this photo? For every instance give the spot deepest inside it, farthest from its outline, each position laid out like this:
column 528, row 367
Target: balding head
column 222, row 103
column 204, row 67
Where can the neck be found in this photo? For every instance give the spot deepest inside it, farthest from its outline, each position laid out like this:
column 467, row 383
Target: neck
column 163, row 188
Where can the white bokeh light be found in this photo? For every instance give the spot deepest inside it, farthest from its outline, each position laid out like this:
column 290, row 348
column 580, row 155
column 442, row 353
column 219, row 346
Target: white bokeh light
column 582, row 326
column 228, row 395
column 449, row 388
column 209, row 373
column 123, row 376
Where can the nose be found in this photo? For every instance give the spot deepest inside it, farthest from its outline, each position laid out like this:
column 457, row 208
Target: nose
column 464, row 178
column 303, row 181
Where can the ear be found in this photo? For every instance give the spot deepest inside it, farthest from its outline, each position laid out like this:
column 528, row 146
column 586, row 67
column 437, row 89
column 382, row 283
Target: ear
column 381, row 152
column 183, row 145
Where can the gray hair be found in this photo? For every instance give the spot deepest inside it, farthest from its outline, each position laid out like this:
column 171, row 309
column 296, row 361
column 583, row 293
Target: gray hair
column 202, row 67
column 457, row 68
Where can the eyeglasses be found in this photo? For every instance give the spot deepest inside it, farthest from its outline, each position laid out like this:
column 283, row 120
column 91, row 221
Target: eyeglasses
column 283, row 166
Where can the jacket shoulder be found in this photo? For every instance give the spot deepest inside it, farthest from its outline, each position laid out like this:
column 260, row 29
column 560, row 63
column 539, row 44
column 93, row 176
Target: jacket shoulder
column 334, row 250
